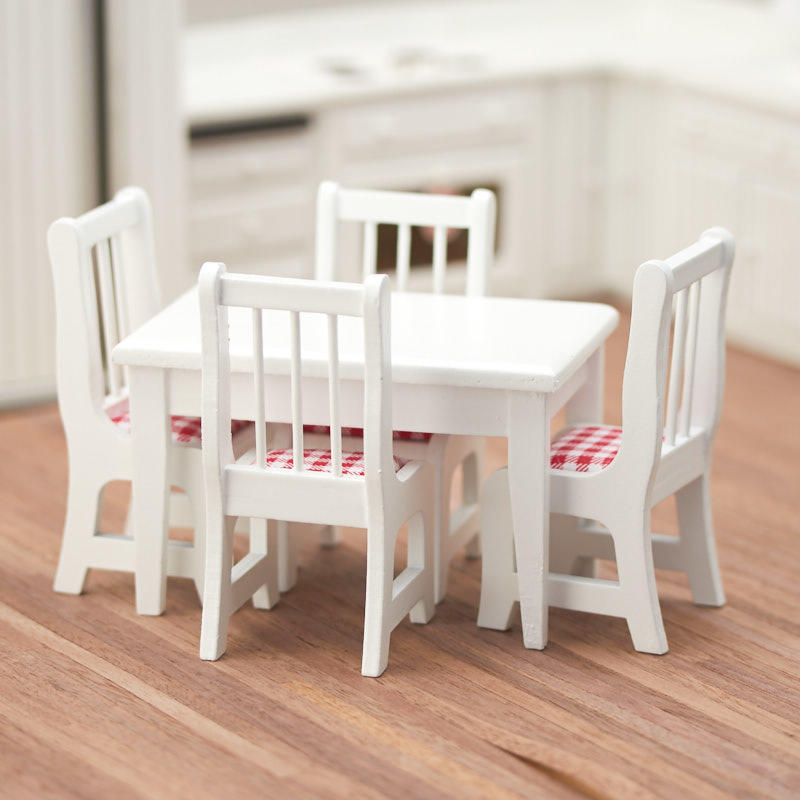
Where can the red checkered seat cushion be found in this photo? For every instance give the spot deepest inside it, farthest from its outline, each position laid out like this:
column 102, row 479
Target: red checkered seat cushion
column 322, row 461
column 585, row 448
column 185, row 430
column 406, row 436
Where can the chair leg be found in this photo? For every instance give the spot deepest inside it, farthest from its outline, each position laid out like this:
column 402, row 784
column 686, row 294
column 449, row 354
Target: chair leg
column 421, row 556
column 698, row 549
column 188, row 510
column 441, row 532
column 637, row 580
column 330, row 536
column 472, row 470
column 287, row 558
column 377, row 607
column 217, row 599
column 499, row 590
column 264, row 539
column 83, row 514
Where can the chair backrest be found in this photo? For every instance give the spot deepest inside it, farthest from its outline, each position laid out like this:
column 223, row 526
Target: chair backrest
column 694, row 285
column 220, row 290
column 475, row 214
column 105, row 280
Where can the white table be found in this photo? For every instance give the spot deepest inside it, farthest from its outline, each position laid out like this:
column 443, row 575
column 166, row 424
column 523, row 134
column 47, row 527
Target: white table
column 460, row 365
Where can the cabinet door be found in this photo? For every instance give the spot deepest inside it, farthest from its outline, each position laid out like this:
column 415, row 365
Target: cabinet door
column 767, row 269
column 702, row 192
column 573, row 158
column 628, row 238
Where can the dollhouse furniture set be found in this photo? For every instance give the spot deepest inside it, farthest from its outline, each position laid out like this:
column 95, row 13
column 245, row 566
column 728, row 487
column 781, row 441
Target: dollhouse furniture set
column 288, row 354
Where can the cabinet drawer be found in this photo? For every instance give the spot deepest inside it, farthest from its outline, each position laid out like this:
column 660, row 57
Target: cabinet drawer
column 229, row 166
column 434, row 122
column 253, row 233
column 757, row 138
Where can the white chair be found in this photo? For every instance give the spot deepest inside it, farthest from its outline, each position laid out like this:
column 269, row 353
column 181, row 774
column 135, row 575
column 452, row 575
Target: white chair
column 371, row 489
column 615, row 475
column 476, row 215
column 105, row 286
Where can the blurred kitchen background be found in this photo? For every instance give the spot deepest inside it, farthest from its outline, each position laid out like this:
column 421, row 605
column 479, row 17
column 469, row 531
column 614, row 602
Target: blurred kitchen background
column 612, row 132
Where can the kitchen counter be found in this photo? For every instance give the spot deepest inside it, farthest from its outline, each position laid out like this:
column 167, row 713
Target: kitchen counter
column 304, row 61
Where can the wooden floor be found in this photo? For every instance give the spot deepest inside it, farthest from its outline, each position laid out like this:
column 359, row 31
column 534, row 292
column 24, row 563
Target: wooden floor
column 98, row 702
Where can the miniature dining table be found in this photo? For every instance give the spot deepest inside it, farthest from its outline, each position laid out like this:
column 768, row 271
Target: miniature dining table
column 479, row 366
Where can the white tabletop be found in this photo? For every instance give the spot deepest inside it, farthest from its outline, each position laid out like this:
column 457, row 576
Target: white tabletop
column 448, row 340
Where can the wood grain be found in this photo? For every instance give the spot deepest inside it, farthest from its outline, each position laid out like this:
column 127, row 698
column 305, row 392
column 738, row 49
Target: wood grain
column 96, row 701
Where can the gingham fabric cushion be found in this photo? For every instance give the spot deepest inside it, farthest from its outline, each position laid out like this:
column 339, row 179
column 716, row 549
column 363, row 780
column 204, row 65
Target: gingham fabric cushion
column 185, row 430
column 406, row 436
column 322, row 461
column 585, row 448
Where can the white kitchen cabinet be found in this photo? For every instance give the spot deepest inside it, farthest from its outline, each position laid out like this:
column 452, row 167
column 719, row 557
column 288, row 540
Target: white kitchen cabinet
column 729, row 166
column 573, row 155
column 252, row 194
column 766, row 310
column 252, row 200
column 455, row 141
column 629, row 228
column 604, row 150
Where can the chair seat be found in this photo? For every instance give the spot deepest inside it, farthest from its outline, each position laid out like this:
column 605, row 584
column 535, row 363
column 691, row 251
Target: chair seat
column 185, row 430
column 406, row 436
column 585, row 448
column 322, row 461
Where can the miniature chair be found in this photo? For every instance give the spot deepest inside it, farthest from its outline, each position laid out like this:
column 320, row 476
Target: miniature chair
column 105, row 286
column 615, row 475
column 371, row 489
column 476, row 215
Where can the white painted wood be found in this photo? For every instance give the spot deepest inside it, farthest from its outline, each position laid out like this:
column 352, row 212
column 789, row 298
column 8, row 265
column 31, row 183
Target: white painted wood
column 462, row 390
column 333, row 392
column 476, row 214
column 649, row 466
column 381, row 501
column 125, row 289
column 258, row 380
column 403, row 255
column 520, row 354
column 691, row 356
column 676, row 368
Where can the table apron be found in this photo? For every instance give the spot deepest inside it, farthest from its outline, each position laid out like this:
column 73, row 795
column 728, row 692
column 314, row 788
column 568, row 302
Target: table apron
column 464, row 410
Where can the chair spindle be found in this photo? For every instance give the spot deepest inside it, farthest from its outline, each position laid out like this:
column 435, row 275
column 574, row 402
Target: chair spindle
column 370, row 247
column 258, row 381
column 297, row 394
column 676, row 367
column 333, row 393
column 439, row 258
column 108, row 310
column 403, row 255
column 691, row 355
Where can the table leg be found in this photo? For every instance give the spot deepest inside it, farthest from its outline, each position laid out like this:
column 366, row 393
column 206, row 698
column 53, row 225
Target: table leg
column 150, row 492
column 529, row 487
column 586, row 405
